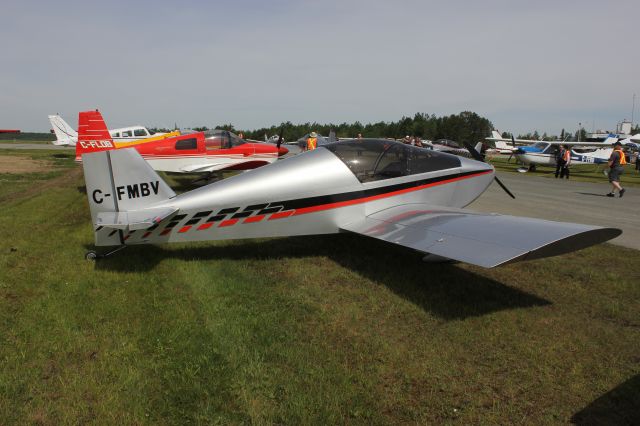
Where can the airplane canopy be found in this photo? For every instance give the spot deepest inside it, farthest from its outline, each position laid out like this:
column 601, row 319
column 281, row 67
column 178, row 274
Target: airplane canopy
column 222, row 139
column 376, row 159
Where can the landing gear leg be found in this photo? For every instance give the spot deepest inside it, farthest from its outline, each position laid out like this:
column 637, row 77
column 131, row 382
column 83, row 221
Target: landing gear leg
column 532, row 167
column 93, row 255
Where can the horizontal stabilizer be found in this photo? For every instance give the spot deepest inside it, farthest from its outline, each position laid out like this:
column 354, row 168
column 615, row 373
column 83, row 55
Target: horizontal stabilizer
column 134, row 220
column 482, row 239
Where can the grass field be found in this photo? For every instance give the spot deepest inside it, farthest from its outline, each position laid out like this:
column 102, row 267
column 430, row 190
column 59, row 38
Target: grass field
column 314, row 330
column 580, row 173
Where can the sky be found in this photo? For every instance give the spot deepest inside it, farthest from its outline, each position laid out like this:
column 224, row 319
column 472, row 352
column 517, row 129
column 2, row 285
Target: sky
column 525, row 65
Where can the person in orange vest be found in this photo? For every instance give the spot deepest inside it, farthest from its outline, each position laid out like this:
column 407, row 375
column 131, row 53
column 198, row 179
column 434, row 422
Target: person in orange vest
column 616, row 163
column 312, row 141
column 566, row 161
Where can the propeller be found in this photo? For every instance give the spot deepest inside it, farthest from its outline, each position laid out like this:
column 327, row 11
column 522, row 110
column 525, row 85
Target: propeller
column 513, row 144
column 478, row 157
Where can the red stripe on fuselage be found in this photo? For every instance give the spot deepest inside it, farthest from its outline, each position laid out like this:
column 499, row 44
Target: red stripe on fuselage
column 228, row 222
column 281, row 215
column 253, row 219
column 330, row 206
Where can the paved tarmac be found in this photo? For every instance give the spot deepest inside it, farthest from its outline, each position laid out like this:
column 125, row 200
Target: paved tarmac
column 34, row 146
column 567, row 201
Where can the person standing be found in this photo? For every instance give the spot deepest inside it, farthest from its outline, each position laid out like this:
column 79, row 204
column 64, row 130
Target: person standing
column 312, row 141
column 559, row 161
column 566, row 162
column 616, row 163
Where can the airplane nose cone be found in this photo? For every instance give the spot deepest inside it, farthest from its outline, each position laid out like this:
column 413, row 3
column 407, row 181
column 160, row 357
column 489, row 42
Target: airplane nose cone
column 282, row 151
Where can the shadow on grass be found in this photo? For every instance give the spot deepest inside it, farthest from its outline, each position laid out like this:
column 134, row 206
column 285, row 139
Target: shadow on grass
column 445, row 290
column 619, row 406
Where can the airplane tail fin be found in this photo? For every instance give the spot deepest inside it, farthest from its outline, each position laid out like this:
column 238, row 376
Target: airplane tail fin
column 496, row 134
column 611, row 139
column 93, row 134
column 501, row 145
column 65, row 135
column 121, row 188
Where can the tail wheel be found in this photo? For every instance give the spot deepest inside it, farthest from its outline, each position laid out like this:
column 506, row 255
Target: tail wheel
column 91, row 255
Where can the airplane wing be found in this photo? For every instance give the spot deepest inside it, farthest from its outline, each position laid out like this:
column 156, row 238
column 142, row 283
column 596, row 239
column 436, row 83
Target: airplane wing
column 482, row 239
column 133, row 220
column 607, row 142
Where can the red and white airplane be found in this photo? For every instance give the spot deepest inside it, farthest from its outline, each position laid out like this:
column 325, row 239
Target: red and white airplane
column 200, row 152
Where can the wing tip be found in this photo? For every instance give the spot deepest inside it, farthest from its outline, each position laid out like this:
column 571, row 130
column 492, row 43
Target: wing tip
column 571, row 243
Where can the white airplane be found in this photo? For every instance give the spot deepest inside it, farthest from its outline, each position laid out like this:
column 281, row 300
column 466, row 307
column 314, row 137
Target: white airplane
column 544, row 153
column 67, row 136
column 501, row 147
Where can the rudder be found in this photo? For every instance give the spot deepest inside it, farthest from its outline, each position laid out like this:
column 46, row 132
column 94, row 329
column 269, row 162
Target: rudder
column 65, row 135
column 121, row 188
column 93, row 135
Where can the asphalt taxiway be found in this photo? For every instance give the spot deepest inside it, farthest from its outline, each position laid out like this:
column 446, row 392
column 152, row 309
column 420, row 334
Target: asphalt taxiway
column 566, row 201
column 34, row 146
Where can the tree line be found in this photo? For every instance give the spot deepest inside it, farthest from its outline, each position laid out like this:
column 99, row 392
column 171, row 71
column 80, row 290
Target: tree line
column 465, row 126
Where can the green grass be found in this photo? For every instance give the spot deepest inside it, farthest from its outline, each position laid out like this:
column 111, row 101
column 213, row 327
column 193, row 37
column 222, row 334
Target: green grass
column 327, row 329
column 580, row 173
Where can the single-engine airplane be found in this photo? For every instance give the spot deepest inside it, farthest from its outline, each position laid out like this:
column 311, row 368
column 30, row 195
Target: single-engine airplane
column 545, row 153
column 501, row 147
column 531, row 153
column 67, row 136
column 200, row 152
column 376, row 188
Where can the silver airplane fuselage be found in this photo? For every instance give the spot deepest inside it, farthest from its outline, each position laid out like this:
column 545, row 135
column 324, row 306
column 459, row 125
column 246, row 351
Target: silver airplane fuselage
column 317, row 192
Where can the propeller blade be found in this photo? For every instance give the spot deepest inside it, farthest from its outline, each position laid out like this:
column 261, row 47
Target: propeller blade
column 504, row 187
column 509, row 159
column 513, row 141
column 477, row 156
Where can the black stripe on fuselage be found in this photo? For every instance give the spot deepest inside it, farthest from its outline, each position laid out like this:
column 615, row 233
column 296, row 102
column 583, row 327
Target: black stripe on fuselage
column 365, row 193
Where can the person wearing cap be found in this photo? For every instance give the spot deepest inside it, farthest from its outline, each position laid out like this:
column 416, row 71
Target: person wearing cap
column 616, row 163
column 312, row 141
